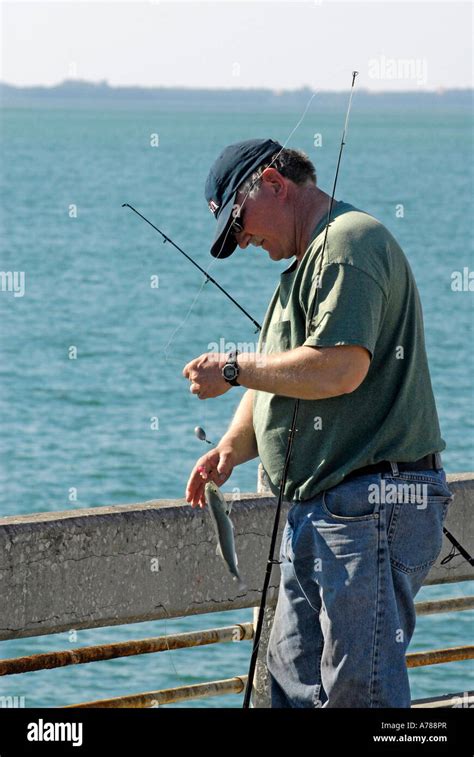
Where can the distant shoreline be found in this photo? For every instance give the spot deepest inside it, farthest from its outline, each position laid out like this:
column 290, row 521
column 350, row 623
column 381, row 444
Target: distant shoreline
column 79, row 93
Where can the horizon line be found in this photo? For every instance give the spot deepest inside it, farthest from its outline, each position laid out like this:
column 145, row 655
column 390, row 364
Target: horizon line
column 275, row 90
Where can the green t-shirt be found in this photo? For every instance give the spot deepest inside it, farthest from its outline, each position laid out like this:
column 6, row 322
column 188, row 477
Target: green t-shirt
column 367, row 295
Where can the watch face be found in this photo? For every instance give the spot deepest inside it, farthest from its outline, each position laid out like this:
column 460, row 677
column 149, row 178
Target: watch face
column 229, row 372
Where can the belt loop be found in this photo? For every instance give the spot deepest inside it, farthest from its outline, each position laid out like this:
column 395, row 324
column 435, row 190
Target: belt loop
column 438, row 462
column 395, row 471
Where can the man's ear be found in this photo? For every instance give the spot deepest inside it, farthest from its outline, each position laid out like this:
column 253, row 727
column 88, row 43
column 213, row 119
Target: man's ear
column 275, row 181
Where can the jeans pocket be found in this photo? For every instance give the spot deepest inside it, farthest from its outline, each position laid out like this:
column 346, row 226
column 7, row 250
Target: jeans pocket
column 353, row 500
column 415, row 535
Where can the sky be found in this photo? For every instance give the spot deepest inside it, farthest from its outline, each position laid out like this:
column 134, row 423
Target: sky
column 402, row 45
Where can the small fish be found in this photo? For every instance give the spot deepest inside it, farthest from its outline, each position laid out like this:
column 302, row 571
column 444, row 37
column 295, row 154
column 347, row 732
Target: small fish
column 220, row 511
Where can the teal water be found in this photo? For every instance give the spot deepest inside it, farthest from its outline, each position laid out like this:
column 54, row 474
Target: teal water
column 84, row 424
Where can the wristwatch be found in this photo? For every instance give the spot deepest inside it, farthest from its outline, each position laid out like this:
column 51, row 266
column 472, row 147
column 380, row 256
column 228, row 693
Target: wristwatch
column 231, row 370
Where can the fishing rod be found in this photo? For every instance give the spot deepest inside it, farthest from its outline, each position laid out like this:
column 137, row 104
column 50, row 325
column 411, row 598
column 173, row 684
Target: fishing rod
column 206, row 274
column 456, row 546
column 292, row 431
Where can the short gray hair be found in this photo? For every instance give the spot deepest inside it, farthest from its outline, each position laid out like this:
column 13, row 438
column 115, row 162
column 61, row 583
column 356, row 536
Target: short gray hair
column 293, row 164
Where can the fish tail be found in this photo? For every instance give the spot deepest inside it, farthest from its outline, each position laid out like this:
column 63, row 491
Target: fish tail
column 241, row 585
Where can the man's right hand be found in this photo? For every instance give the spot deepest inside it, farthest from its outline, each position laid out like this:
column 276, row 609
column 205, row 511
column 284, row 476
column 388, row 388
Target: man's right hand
column 217, row 465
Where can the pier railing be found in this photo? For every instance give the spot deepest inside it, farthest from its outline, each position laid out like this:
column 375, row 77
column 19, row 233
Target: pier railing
column 107, row 566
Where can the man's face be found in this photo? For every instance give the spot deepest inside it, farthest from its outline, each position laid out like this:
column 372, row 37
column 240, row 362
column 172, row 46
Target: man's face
column 267, row 219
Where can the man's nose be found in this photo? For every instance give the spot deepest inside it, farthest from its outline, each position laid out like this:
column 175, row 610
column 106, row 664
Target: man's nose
column 243, row 239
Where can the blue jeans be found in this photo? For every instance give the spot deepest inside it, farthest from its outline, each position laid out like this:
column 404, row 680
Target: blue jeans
column 352, row 560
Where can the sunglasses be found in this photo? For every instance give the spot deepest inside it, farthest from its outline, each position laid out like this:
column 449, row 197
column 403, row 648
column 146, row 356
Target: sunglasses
column 237, row 225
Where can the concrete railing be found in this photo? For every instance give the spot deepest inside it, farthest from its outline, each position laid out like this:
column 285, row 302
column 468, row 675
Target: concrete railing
column 106, row 566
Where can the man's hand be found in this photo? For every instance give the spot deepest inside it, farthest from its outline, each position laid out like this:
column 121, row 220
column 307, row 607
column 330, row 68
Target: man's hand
column 205, row 374
column 217, row 465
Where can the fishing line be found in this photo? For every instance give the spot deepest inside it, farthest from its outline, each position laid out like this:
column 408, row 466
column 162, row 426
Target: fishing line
column 191, row 260
column 180, row 325
column 292, row 431
column 213, row 261
column 241, row 205
column 279, row 153
column 170, row 651
column 271, row 561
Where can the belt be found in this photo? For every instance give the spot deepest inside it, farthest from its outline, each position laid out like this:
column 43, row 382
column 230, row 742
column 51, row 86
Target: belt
column 433, row 461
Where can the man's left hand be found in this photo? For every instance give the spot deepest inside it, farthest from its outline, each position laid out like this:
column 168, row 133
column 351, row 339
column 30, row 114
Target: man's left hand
column 205, row 375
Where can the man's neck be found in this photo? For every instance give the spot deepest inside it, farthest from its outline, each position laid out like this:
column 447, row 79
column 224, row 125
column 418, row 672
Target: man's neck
column 313, row 205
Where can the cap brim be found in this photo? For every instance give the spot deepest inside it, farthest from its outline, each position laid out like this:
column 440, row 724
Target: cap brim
column 224, row 242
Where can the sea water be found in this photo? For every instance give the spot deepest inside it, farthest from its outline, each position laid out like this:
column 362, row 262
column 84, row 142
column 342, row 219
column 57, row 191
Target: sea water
column 91, row 351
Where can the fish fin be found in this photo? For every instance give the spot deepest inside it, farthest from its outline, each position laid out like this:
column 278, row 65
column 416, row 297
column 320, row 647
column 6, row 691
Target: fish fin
column 219, row 550
column 236, row 558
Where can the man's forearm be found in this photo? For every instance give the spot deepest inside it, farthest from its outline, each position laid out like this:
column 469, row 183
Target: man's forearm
column 240, row 435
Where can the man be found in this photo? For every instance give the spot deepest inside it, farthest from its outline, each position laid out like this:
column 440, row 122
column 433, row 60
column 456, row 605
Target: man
column 344, row 333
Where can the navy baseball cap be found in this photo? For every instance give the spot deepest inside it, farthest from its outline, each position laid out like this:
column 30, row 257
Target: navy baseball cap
column 235, row 164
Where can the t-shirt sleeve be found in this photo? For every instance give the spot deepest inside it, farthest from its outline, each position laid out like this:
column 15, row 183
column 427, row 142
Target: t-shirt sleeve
column 350, row 308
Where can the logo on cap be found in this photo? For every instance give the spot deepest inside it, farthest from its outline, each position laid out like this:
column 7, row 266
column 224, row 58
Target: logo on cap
column 213, row 207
